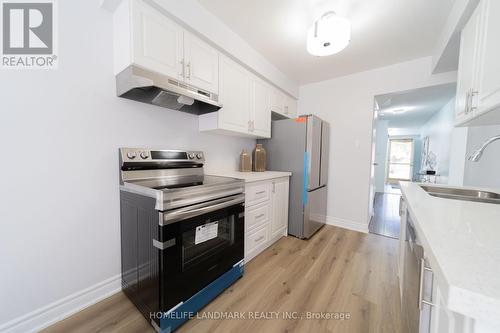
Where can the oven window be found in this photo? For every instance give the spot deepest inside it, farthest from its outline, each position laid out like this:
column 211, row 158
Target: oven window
column 206, row 240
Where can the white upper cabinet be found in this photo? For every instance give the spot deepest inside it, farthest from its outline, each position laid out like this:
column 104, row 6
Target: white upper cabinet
column 234, row 95
column 478, row 86
column 245, row 103
column 277, row 101
column 260, row 115
column 201, row 62
column 148, row 37
column 489, row 72
column 283, row 104
column 290, row 107
column 157, row 41
column 159, row 44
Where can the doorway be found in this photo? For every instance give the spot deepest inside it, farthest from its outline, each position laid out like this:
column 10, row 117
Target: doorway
column 411, row 133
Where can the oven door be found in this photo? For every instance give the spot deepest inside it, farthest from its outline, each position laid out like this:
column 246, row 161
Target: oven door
column 204, row 242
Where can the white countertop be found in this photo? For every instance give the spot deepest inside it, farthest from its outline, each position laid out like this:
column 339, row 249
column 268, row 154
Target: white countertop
column 462, row 244
column 252, row 176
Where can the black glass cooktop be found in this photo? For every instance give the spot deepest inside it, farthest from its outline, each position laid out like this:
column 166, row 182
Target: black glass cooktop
column 169, row 183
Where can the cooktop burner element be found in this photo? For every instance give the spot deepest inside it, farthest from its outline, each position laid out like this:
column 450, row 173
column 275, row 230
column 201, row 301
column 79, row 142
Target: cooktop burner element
column 174, row 177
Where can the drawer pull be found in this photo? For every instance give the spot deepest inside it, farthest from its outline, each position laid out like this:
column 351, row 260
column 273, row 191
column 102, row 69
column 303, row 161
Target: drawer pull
column 260, row 216
column 261, row 192
column 259, row 239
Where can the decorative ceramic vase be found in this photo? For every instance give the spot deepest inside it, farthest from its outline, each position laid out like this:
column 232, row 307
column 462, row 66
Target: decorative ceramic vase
column 245, row 161
column 259, row 158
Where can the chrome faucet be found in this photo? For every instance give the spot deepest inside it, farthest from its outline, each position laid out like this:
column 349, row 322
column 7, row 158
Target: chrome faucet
column 476, row 156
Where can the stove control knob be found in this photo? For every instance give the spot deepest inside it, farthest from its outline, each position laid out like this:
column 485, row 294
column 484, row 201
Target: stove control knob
column 199, row 156
column 144, row 155
column 191, row 156
column 131, row 155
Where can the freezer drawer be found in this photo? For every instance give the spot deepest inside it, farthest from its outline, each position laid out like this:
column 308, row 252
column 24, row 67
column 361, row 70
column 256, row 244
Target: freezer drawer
column 315, row 211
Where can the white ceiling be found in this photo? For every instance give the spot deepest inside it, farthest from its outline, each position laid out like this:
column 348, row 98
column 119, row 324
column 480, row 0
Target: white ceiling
column 421, row 104
column 384, row 32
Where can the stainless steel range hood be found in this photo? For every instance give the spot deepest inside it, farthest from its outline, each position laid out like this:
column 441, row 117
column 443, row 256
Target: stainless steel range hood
column 145, row 86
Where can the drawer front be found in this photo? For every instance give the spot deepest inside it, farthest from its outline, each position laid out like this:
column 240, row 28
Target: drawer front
column 257, row 215
column 257, row 193
column 255, row 239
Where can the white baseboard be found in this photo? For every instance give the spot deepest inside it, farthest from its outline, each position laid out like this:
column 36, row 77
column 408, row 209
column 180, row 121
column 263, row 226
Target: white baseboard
column 342, row 223
column 63, row 308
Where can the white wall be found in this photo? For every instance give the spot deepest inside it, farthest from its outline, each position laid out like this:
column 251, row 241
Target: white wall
column 485, row 172
column 458, row 156
column 60, row 131
column 347, row 104
column 381, row 153
column 439, row 130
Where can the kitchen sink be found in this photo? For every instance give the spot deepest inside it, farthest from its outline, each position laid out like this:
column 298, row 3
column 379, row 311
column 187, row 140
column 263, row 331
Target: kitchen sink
column 462, row 194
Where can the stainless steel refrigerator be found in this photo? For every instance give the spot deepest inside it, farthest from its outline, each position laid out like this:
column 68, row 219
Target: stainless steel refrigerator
column 301, row 146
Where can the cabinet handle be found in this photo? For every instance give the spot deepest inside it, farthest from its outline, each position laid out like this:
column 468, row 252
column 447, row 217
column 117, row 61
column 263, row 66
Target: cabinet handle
column 261, row 192
column 421, row 299
column 259, row 239
column 466, row 109
column 188, row 70
column 286, row 109
column 259, row 216
column 274, row 187
column 401, row 201
column 471, row 98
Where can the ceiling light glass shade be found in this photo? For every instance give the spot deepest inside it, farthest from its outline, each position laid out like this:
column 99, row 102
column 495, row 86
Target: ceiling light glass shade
column 329, row 35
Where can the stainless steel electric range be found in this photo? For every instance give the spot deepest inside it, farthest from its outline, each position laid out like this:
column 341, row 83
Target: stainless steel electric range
column 182, row 233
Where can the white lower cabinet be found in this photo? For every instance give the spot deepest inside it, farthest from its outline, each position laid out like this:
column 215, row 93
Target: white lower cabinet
column 443, row 320
column 435, row 316
column 266, row 214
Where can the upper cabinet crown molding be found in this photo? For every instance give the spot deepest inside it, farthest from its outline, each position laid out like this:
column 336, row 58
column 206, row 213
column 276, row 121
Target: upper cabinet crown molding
column 478, row 86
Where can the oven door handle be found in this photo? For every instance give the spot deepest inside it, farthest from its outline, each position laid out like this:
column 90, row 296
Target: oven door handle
column 200, row 209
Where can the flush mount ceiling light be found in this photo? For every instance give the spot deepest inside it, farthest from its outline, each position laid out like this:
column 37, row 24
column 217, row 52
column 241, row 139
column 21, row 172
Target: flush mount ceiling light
column 330, row 34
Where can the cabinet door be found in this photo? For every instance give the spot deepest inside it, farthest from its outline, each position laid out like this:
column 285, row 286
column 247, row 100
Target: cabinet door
column 442, row 320
column 489, row 75
column 260, row 111
column 467, row 66
column 279, row 220
column 202, row 63
column 234, row 91
column 277, row 101
column 290, row 107
column 157, row 41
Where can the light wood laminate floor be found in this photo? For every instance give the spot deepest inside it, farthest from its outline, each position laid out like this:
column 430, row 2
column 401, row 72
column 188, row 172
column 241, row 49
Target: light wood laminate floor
column 386, row 220
column 335, row 271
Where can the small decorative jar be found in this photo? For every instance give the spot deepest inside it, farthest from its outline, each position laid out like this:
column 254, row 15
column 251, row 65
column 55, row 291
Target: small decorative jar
column 259, row 158
column 245, row 161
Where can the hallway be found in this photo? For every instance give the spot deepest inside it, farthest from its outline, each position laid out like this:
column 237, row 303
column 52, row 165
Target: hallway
column 385, row 220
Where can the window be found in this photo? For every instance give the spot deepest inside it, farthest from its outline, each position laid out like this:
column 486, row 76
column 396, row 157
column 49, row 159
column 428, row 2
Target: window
column 400, row 161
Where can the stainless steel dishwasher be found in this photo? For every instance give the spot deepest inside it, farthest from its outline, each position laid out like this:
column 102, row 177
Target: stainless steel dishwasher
column 417, row 282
